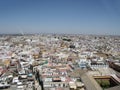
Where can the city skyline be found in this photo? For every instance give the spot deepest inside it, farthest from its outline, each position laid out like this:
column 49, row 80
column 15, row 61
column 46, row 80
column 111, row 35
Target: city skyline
column 60, row 16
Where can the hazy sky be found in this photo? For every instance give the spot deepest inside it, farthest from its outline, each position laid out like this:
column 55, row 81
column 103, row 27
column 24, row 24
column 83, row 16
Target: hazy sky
column 60, row 16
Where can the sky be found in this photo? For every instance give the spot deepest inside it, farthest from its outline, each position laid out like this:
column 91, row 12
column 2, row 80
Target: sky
column 60, row 16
